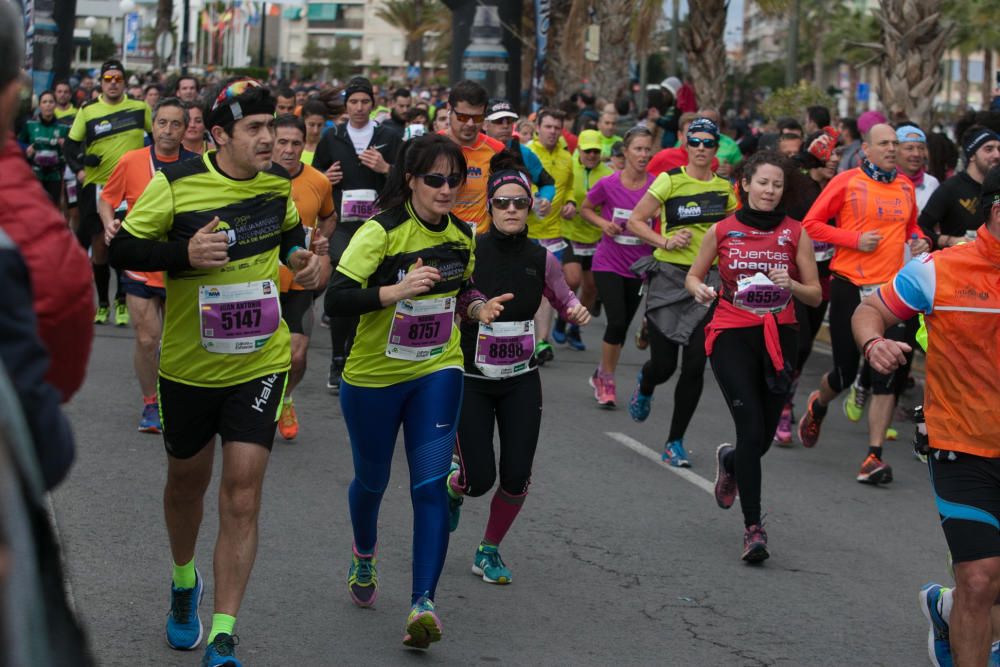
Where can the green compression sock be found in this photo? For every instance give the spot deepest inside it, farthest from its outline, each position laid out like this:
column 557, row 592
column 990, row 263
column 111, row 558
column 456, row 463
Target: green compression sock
column 221, row 623
column 184, row 576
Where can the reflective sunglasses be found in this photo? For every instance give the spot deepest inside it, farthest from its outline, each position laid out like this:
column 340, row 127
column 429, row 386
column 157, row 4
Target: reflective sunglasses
column 503, row 203
column 113, row 77
column 235, row 89
column 707, row 143
column 437, row 181
column 466, row 117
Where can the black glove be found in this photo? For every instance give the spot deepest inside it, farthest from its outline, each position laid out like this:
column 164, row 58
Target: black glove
column 91, row 160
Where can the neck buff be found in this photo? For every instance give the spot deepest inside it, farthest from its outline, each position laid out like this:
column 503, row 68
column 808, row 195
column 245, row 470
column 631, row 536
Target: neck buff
column 876, row 173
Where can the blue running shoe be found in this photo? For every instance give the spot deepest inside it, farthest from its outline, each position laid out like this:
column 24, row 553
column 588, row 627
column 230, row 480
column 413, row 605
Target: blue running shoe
column 675, row 455
column 932, row 601
column 559, row 331
column 488, row 565
column 640, row 404
column 423, row 627
column 221, row 652
column 454, row 501
column 183, row 624
column 150, row 422
column 574, row 340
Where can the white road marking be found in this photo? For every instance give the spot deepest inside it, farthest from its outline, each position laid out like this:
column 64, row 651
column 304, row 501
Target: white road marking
column 654, row 456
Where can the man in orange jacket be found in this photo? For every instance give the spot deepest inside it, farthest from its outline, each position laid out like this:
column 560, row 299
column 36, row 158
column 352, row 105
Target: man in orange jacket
column 876, row 225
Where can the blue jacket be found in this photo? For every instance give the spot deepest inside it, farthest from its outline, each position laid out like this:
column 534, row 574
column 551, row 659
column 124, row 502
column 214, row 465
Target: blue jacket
column 546, row 184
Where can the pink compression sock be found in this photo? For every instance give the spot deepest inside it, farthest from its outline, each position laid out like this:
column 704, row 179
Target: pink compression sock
column 503, row 510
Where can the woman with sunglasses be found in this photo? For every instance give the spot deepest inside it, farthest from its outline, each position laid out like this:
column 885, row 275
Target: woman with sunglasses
column 406, row 274
column 690, row 199
column 502, row 386
column 765, row 258
column 617, row 286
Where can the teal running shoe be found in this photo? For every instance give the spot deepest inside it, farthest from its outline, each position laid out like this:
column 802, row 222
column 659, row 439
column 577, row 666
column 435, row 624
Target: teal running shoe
column 362, row 579
column 675, row 454
column 423, row 627
column 183, row 624
column 454, row 500
column 221, row 652
column 640, row 404
column 488, row 565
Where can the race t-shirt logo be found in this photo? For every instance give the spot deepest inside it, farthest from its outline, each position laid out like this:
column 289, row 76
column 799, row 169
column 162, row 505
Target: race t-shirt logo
column 102, row 127
column 689, row 210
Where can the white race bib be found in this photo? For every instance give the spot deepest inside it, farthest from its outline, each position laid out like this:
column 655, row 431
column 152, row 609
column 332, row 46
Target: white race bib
column 760, row 296
column 357, row 205
column 420, row 329
column 238, row 319
column 504, row 349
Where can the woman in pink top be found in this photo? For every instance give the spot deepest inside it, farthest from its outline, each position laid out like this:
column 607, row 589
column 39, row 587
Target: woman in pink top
column 618, row 287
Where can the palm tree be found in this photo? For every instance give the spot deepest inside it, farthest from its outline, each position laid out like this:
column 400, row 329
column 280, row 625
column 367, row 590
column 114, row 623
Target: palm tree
column 912, row 46
column 164, row 15
column 414, row 18
column 704, row 44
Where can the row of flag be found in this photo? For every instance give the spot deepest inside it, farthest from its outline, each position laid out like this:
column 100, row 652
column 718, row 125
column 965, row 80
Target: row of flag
column 245, row 11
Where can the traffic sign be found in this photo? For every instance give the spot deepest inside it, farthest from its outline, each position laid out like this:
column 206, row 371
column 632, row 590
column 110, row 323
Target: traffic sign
column 164, row 45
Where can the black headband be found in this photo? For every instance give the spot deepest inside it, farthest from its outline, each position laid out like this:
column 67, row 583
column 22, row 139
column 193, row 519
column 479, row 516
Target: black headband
column 977, row 142
column 503, row 177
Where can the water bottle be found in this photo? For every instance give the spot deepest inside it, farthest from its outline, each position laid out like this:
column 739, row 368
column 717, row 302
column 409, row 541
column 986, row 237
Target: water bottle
column 485, row 59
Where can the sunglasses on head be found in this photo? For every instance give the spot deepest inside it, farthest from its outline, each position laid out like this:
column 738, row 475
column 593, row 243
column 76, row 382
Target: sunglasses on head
column 503, row 203
column 113, row 77
column 707, row 143
column 437, row 181
column 466, row 117
column 235, row 89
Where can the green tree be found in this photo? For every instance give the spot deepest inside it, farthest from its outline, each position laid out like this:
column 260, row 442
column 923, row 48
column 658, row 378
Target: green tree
column 341, row 59
column 102, row 47
column 312, row 59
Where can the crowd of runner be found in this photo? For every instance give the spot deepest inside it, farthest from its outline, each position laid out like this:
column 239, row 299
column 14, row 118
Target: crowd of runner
column 452, row 246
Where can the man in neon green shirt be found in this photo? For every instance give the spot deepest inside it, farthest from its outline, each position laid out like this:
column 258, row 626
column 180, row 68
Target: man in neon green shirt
column 547, row 231
column 103, row 131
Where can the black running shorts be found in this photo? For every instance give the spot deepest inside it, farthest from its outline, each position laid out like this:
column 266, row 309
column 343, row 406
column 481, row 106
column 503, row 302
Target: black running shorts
column 246, row 412
column 967, row 493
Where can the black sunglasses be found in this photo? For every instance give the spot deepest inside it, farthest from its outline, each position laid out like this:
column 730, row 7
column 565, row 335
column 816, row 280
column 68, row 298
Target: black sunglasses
column 437, row 181
column 591, row 151
column 503, row 203
column 707, row 143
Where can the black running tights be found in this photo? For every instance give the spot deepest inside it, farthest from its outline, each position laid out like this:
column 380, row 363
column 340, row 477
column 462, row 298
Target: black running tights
column 662, row 363
column 742, row 365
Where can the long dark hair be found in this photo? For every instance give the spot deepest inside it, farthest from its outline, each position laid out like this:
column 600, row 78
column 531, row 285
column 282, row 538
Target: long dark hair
column 795, row 180
column 418, row 156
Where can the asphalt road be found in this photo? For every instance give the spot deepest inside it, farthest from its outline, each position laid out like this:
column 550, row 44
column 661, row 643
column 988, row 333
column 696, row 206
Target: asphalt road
column 616, row 558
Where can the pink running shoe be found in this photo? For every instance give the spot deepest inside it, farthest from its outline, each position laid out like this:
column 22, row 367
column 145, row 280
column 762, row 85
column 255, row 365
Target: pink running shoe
column 783, row 434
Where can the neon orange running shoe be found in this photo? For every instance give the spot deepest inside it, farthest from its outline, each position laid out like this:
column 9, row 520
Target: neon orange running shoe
column 288, row 421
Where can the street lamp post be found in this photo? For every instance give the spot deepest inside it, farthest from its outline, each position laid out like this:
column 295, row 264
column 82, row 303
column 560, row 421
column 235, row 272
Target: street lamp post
column 90, row 23
column 126, row 6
